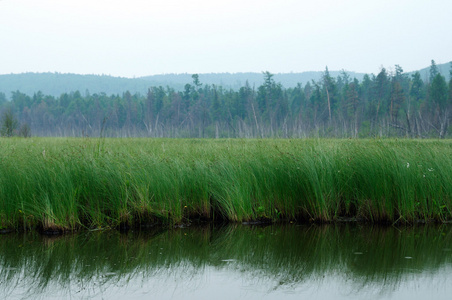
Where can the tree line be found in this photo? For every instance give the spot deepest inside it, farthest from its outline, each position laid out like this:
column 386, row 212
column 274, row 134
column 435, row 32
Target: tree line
column 389, row 104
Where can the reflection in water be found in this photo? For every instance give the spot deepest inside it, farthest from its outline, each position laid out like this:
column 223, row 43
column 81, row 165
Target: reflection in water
column 242, row 261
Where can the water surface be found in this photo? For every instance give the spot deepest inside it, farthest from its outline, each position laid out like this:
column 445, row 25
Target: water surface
column 231, row 262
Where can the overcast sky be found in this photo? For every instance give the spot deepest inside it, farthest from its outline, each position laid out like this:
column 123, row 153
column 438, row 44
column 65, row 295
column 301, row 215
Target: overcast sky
column 144, row 37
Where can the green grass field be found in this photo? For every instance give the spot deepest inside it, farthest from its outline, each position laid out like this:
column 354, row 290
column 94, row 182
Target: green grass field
column 69, row 184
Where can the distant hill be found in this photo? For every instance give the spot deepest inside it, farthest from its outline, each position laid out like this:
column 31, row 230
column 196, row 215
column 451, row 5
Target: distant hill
column 442, row 68
column 237, row 80
column 56, row 84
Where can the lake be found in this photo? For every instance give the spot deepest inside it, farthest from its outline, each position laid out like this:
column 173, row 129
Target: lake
column 291, row 261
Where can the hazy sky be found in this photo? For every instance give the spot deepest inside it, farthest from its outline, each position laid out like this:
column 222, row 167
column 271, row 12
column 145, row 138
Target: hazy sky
column 145, row 37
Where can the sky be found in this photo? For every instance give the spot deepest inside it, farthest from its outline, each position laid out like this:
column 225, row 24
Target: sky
column 136, row 38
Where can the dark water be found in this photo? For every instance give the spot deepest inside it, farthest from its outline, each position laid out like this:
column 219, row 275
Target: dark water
column 232, row 262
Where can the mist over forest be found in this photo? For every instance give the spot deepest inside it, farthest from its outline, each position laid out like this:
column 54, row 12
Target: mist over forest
column 392, row 103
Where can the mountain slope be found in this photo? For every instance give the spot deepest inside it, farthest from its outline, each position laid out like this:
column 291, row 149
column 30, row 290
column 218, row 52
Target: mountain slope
column 56, row 84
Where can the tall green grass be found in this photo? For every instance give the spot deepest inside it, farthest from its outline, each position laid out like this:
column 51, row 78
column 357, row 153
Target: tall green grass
column 66, row 184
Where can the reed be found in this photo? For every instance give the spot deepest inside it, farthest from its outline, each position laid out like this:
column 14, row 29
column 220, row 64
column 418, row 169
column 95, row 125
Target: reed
column 67, row 184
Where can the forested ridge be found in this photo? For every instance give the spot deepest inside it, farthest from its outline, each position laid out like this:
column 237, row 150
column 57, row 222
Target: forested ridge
column 55, row 84
column 389, row 104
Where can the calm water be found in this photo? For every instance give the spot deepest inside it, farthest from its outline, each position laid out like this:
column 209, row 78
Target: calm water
column 231, row 262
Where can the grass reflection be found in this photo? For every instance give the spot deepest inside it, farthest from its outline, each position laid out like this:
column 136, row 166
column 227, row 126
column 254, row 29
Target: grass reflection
column 277, row 256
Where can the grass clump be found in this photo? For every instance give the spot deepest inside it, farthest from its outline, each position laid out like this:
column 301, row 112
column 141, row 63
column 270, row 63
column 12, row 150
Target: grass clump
column 65, row 184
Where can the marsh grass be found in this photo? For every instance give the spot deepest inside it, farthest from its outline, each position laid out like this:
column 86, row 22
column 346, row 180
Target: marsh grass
column 67, row 184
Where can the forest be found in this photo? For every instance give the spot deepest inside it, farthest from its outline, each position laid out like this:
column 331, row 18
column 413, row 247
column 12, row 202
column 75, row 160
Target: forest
column 389, row 104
